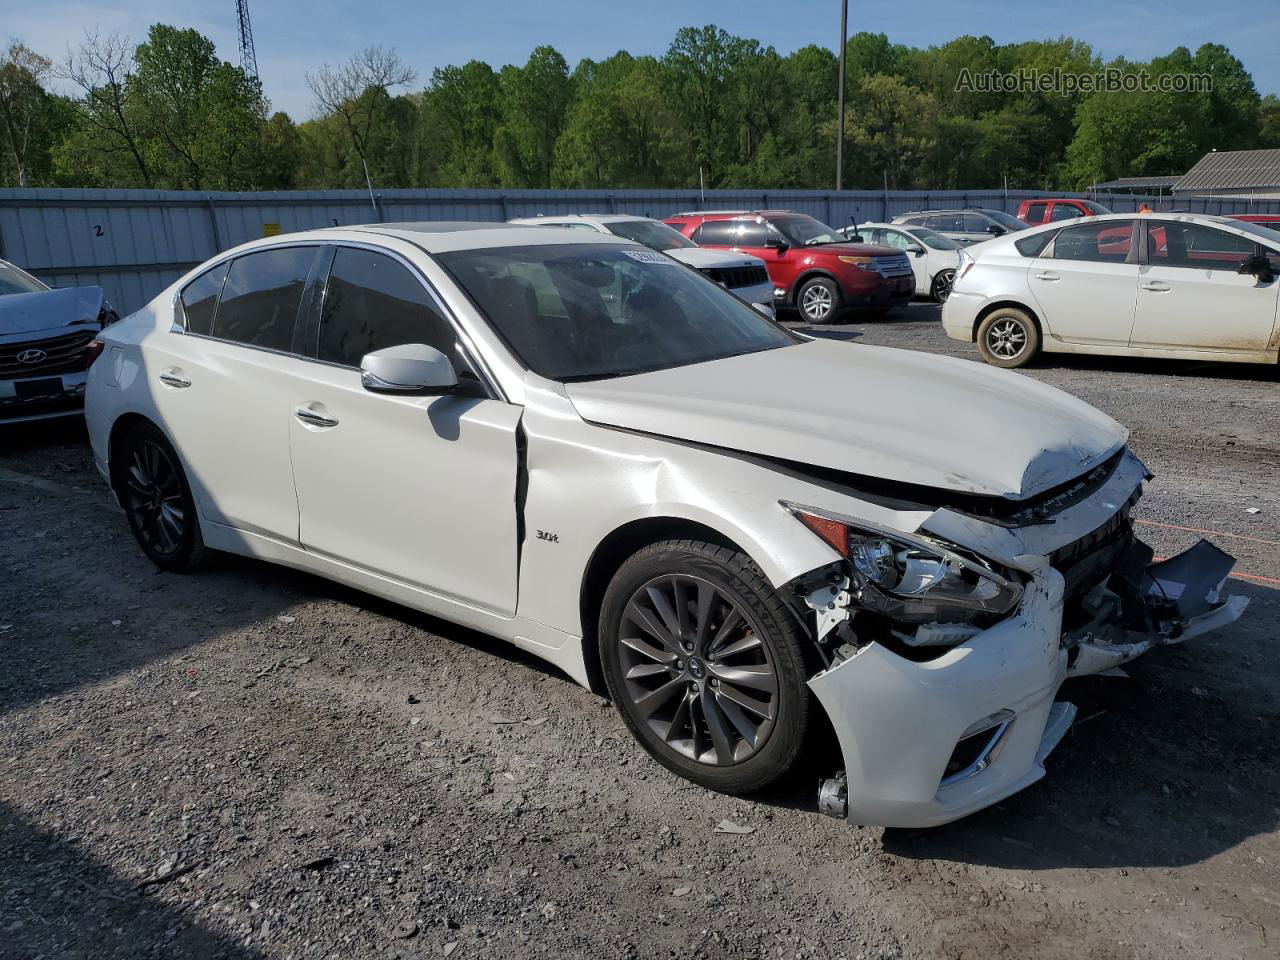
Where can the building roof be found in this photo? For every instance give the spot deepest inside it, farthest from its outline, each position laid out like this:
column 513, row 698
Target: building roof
column 1233, row 170
column 1136, row 183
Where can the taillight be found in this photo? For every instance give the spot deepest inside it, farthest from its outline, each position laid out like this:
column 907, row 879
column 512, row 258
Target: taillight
column 92, row 352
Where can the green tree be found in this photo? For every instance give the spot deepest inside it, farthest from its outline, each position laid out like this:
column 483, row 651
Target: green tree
column 535, row 104
column 22, row 102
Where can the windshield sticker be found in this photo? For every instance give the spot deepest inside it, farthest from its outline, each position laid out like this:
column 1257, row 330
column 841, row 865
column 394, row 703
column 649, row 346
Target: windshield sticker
column 648, row 256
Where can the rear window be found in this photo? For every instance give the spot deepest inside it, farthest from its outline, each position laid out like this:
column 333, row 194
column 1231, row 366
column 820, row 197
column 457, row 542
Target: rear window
column 260, row 298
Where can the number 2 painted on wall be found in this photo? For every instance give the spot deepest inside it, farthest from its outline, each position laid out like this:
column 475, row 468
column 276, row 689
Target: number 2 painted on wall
column 97, row 229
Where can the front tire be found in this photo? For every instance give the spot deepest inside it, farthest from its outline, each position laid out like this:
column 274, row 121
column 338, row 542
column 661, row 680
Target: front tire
column 1008, row 338
column 942, row 283
column 153, row 489
column 819, row 300
column 706, row 665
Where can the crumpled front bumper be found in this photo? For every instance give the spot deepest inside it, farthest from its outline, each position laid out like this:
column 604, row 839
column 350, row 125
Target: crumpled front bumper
column 901, row 723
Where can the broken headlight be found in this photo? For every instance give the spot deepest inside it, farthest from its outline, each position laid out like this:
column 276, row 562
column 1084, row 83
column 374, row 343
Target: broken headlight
column 912, row 578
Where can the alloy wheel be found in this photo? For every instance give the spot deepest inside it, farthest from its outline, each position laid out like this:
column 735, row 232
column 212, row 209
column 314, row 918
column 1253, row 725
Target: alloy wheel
column 697, row 670
column 1006, row 339
column 817, row 302
column 153, row 491
column 942, row 284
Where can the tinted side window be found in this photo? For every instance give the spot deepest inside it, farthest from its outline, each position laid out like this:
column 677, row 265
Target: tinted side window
column 1064, row 211
column 260, row 299
column 946, row 223
column 752, row 234
column 200, row 299
column 371, row 302
column 976, row 223
column 1031, row 246
column 1035, row 213
column 1106, row 242
column 1171, row 244
column 715, row 233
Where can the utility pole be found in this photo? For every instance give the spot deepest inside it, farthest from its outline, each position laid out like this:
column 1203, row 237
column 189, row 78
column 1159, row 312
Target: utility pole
column 248, row 56
column 844, row 35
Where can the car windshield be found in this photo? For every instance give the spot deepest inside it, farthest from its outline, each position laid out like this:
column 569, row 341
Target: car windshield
column 591, row 312
column 935, row 240
column 1006, row 221
column 802, row 231
column 657, row 236
column 13, row 280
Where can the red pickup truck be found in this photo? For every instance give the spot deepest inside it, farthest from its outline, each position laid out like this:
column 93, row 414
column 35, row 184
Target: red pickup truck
column 1036, row 212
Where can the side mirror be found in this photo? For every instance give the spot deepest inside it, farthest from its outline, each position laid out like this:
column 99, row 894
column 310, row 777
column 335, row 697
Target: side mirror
column 855, row 238
column 407, row 369
column 995, row 231
column 915, row 248
column 1259, row 265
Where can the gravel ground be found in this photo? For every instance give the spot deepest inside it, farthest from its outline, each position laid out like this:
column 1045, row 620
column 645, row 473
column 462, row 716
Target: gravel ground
column 251, row 762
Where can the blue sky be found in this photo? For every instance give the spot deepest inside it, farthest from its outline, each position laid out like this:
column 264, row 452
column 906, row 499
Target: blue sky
column 293, row 36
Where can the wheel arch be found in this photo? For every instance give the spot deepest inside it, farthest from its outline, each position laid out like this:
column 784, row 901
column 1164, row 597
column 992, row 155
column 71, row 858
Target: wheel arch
column 119, row 427
column 609, row 555
column 808, row 275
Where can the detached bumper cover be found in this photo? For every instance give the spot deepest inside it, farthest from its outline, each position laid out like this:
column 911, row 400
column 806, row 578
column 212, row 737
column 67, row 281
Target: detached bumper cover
column 901, row 723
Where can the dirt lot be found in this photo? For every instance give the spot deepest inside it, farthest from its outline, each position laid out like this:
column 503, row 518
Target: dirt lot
column 301, row 771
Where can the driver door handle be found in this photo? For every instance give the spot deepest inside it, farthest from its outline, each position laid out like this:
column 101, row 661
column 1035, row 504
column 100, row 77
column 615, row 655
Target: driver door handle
column 173, row 379
column 307, row 415
column 1048, row 277
column 1156, row 286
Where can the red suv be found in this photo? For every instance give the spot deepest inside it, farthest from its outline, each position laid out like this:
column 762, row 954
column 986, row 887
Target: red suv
column 1036, row 212
column 811, row 266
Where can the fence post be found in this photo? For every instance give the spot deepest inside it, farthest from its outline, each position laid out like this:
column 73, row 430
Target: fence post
column 502, row 199
column 213, row 224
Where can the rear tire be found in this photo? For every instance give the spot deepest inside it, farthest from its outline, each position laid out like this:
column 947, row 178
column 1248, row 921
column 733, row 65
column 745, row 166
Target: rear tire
column 705, row 663
column 153, row 489
column 819, row 300
column 1008, row 338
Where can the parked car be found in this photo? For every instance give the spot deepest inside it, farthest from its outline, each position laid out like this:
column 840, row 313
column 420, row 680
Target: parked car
column 1037, row 212
column 1187, row 286
column 745, row 276
column 46, row 345
column 933, row 257
column 963, row 226
column 813, row 268
column 568, row 441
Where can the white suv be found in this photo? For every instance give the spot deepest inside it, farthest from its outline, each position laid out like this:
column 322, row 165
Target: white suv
column 1185, row 286
column 742, row 274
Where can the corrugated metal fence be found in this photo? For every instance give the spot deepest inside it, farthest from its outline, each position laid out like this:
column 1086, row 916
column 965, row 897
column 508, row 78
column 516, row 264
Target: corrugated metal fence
column 134, row 243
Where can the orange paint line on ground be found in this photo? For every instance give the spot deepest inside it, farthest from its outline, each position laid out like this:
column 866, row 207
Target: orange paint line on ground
column 1216, row 533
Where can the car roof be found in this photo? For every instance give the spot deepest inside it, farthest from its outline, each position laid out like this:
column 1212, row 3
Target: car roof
column 738, row 213
column 542, row 218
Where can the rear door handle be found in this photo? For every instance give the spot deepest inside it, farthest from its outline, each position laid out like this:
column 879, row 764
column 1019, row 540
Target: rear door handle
column 307, row 415
column 1156, row 286
column 1048, row 277
column 174, row 379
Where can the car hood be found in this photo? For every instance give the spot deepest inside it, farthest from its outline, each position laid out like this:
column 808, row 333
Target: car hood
column 41, row 310
column 702, row 259
column 898, row 415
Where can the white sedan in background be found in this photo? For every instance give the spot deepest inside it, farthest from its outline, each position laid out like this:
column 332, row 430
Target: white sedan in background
column 574, row 443
column 742, row 274
column 1179, row 285
column 933, row 257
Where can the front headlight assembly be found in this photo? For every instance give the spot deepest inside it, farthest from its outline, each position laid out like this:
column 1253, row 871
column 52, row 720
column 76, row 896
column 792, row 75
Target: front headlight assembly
column 911, row 578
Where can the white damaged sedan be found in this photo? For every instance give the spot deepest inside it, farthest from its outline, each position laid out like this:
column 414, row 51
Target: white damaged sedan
column 573, row 443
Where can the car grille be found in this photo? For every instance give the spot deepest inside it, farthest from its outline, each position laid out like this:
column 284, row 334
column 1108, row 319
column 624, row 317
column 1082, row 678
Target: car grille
column 898, row 266
column 734, row 277
column 62, row 354
column 1091, row 559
